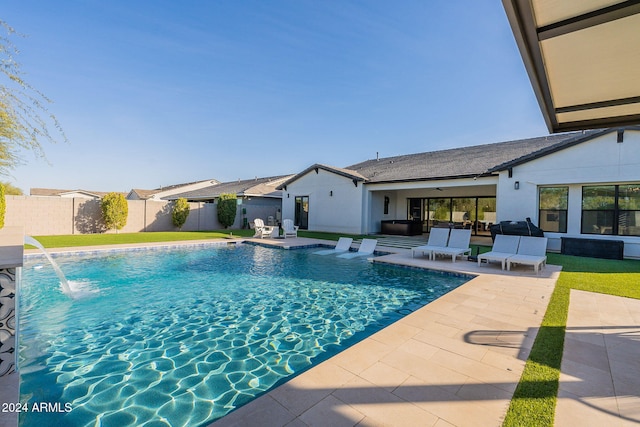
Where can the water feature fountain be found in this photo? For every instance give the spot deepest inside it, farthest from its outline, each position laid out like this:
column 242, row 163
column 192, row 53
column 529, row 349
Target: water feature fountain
column 64, row 284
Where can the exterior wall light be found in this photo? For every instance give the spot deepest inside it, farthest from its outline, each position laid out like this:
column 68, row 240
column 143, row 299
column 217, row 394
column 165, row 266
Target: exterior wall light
column 331, row 193
column 516, row 185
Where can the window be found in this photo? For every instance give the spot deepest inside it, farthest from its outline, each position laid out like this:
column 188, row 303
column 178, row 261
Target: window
column 439, row 211
column 629, row 210
column 553, row 209
column 611, row 209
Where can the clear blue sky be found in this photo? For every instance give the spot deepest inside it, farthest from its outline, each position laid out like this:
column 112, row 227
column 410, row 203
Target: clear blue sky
column 157, row 92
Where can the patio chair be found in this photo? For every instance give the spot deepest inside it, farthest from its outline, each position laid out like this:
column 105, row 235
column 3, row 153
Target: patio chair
column 262, row 230
column 438, row 238
column 289, row 229
column 366, row 248
column 343, row 245
column 504, row 247
column 458, row 245
column 531, row 251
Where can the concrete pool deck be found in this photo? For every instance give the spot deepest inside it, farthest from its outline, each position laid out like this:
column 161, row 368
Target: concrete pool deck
column 455, row 362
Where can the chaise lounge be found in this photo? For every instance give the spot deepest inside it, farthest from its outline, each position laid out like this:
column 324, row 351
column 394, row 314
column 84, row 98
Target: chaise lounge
column 438, row 238
column 458, row 245
column 366, row 248
column 531, row 251
column 504, row 247
column 343, row 245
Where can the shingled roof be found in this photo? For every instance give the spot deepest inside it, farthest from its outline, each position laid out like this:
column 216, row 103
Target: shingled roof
column 265, row 187
column 465, row 162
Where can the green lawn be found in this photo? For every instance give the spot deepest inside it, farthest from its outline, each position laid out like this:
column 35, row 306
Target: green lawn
column 169, row 236
column 534, row 400
column 121, row 238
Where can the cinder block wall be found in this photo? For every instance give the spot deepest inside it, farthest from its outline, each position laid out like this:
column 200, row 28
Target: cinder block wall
column 41, row 216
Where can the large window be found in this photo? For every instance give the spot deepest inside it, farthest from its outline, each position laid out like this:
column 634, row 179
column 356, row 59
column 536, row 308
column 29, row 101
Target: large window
column 553, row 209
column 477, row 213
column 611, row 209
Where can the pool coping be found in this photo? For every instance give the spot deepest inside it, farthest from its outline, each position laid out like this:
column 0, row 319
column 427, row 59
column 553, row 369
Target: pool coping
column 390, row 367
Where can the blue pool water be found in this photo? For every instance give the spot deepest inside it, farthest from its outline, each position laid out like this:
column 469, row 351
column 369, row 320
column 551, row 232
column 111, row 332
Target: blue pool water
column 181, row 337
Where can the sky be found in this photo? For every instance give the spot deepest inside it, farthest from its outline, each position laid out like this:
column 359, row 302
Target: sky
column 152, row 93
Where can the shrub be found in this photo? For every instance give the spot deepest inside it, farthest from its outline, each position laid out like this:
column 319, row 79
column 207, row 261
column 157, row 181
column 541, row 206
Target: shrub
column 3, row 205
column 180, row 212
column 227, row 205
column 115, row 210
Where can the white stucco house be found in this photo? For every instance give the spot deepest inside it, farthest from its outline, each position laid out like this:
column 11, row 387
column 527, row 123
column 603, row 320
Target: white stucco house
column 581, row 185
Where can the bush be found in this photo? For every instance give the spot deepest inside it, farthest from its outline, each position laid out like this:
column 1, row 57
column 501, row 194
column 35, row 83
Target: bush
column 180, row 212
column 115, row 210
column 3, row 205
column 227, row 206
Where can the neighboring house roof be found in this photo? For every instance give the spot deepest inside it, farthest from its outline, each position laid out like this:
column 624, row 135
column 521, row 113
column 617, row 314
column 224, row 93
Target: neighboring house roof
column 51, row 192
column 262, row 187
column 464, row 162
column 169, row 190
column 142, row 194
column 353, row 175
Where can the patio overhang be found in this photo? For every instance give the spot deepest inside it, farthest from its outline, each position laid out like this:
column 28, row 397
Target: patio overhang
column 583, row 60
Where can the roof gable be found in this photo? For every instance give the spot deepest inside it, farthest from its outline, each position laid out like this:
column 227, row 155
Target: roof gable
column 347, row 173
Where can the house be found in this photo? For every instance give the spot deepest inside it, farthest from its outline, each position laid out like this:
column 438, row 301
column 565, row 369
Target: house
column 580, row 184
column 164, row 192
column 258, row 198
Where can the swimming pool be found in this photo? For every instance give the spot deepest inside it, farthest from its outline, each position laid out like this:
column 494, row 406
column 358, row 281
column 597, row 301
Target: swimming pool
column 181, row 337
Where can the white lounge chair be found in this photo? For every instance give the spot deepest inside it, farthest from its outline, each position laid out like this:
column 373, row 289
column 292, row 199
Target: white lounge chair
column 531, row 251
column 366, row 248
column 504, row 247
column 438, row 238
column 262, row 230
column 289, row 229
column 458, row 245
column 343, row 245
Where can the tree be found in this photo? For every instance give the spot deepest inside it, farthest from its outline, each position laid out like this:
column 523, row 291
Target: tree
column 227, row 205
column 180, row 212
column 115, row 210
column 24, row 117
column 3, row 205
column 11, row 190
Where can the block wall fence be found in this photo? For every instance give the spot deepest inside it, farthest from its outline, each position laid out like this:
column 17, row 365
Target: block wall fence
column 42, row 216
